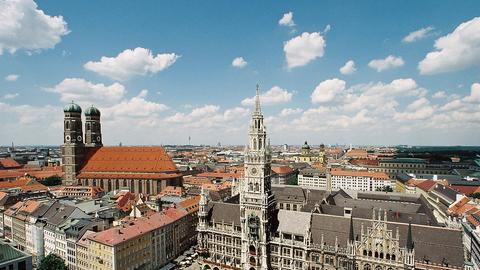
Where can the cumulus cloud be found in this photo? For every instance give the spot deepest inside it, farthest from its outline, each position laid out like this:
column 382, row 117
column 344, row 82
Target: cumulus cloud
column 87, row 93
column 303, row 49
column 455, row 51
column 418, row 34
column 290, row 111
column 389, row 62
column 474, row 93
column 348, row 68
column 129, row 63
column 287, row 20
column 439, row 94
column 276, row 95
column 12, row 77
column 135, row 107
column 239, row 62
column 209, row 116
column 326, row 90
column 24, row 26
column 10, row 96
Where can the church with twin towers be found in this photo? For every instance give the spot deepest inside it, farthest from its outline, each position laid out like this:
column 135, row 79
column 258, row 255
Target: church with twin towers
column 253, row 229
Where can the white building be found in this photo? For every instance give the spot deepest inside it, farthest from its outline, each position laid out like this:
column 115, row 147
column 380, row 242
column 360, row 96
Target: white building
column 313, row 178
column 359, row 180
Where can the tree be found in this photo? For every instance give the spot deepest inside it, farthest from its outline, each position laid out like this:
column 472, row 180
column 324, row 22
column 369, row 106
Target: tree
column 51, row 181
column 52, row 262
column 384, row 189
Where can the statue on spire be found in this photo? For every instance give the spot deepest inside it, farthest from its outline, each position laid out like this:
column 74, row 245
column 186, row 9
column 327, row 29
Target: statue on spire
column 257, row 100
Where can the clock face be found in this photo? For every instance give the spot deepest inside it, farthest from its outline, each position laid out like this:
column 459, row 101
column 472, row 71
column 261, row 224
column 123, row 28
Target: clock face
column 79, row 138
column 67, row 138
column 253, row 171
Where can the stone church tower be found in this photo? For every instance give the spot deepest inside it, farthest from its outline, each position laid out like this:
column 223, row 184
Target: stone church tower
column 93, row 130
column 257, row 203
column 73, row 149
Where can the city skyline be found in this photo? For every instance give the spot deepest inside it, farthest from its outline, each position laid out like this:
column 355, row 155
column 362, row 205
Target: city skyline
column 350, row 75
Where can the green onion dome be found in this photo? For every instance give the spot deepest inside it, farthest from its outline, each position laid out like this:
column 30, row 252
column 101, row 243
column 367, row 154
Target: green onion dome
column 72, row 108
column 92, row 111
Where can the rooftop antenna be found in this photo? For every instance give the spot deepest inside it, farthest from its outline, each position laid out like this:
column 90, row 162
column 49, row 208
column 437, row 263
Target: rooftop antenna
column 189, row 140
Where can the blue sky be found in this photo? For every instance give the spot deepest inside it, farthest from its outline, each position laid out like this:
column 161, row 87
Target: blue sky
column 193, row 89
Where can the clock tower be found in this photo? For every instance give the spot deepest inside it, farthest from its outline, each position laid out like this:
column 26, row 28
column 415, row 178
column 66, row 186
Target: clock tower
column 93, row 130
column 73, row 148
column 257, row 203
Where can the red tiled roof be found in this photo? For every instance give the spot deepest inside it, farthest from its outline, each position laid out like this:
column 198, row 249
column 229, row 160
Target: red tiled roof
column 190, row 204
column 132, row 159
column 282, row 169
column 120, row 234
column 91, row 175
column 8, row 163
column 24, row 183
column 467, row 190
column 426, row 185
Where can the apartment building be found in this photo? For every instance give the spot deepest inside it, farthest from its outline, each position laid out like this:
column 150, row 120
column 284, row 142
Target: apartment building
column 359, row 180
column 313, row 178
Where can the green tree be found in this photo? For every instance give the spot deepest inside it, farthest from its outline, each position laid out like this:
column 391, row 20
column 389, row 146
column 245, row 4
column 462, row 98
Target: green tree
column 52, row 262
column 384, row 189
column 51, row 181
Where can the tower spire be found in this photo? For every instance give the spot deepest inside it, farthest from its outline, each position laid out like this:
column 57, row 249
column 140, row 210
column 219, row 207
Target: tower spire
column 351, row 235
column 410, row 244
column 257, row 100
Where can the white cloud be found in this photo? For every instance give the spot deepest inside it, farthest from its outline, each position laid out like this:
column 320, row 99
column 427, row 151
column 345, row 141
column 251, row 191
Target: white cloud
column 24, row 26
column 129, row 63
column 474, row 93
column 87, row 93
column 276, row 95
column 303, row 49
column 290, row 111
column 287, row 20
column 239, row 62
column 135, row 107
column 455, row 51
column 10, row 96
column 326, row 90
column 439, row 94
column 417, row 35
column 327, row 29
column 12, row 77
column 418, row 104
column 389, row 62
column 452, row 105
column 348, row 68
column 420, row 114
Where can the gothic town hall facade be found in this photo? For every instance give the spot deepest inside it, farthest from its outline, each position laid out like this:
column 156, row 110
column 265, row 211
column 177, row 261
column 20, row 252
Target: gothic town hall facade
column 250, row 231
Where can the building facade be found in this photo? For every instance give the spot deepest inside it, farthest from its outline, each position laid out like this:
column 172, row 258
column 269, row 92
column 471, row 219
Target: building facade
column 86, row 162
column 359, row 180
column 249, row 232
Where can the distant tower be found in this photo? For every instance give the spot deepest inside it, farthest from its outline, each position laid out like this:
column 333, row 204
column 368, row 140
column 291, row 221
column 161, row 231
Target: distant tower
column 257, row 203
column 93, row 129
column 321, row 153
column 73, row 149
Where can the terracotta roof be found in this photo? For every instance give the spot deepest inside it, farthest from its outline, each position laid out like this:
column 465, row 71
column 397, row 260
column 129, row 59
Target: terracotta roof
column 191, row 204
column 467, row 190
column 461, row 207
column 426, row 185
column 8, row 163
column 100, row 175
column 9, row 174
column 24, row 183
column 282, row 169
column 373, row 175
column 120, row 234
column 118, row 162
column 220, row 175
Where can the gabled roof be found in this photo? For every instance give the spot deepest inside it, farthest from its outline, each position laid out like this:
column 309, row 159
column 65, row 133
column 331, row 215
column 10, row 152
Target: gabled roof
column 426, row 185
column 118, row 161
column 9, row 163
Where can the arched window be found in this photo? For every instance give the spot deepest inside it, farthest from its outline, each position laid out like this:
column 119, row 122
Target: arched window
column 256, row 187
column 393, row 257
column 378, row 267
column 67, row 125
column 253, row 261
column 260, row 145
column 376, row 254
column 88, row 126
column 367, row 267
column 387, row 256
column 250, row 187
column 252, row 250
column 370, row 253
column 364, row 252
column 381, row 255
column 254, row 144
